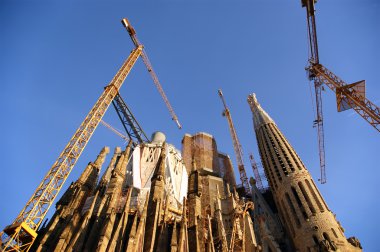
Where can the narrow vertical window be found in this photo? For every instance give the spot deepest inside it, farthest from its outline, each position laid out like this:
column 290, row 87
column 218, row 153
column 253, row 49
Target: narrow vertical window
column 307, row 198
column 319, row 195
column 299, row 202
column 292, row 208
column 290, row 149
column 264, row 148
column 314, row 195
column 287, row 218
column 268, row 150
column 335, row 234
column 326, row 236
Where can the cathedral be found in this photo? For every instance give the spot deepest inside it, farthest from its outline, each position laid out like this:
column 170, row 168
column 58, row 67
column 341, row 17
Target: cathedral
column 155, row 197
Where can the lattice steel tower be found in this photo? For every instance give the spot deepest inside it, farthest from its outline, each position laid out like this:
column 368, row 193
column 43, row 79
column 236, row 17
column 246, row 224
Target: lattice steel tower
column 310, row 223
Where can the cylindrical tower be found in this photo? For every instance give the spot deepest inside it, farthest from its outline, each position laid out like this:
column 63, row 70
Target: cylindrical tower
column 309, row 221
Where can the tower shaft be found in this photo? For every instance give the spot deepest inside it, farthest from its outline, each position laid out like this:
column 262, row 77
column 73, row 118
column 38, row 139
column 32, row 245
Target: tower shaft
column 309, row 221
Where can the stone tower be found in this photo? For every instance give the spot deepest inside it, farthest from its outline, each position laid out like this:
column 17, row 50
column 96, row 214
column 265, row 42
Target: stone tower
column 67, row 218
column 218, row 219
column 309, row 222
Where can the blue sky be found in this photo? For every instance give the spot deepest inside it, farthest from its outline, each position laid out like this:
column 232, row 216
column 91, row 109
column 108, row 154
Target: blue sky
column 57, row 57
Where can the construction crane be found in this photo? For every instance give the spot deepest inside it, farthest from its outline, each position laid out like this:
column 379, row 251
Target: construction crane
column 144, row 56
column 20, row 235
column 348, row 95
column 130, row 124
column 237, row 147
column 108, row 126
column 259, row 183
column 314, row 59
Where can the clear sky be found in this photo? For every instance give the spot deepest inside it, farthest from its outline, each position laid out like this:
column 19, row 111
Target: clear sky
column 55, row 59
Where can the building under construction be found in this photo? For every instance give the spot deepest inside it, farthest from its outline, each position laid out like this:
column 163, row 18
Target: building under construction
column 149, row 198
column 153, row 197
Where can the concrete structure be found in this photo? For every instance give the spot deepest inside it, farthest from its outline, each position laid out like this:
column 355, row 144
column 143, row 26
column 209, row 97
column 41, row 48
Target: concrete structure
column 309, row 222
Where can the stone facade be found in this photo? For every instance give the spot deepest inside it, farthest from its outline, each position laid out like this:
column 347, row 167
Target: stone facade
column 152, row 197
column 109, row 215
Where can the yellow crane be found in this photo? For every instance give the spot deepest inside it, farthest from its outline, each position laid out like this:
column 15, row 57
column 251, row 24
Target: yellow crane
column 237, row 147
column 20, row 235
column 348, row 95
column 144, row 56
column 108, row 126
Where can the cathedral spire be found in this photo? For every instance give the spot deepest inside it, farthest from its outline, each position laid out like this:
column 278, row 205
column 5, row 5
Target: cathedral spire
column 68, row 214
column 90, row 175
column 301, row 206
column 113, row 195
column 101, row 157
column 107, row 174
column 156, row 200
column 120, row 168
column 260, row 117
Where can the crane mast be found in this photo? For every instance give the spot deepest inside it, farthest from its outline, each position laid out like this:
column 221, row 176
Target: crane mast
column 237, row 147
column 144, row 56
column 20, row 235
column 259, row 182
column 314, row 59
column 348, row 95
column 312, row 30
column 130, row 124
column 320, row 129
